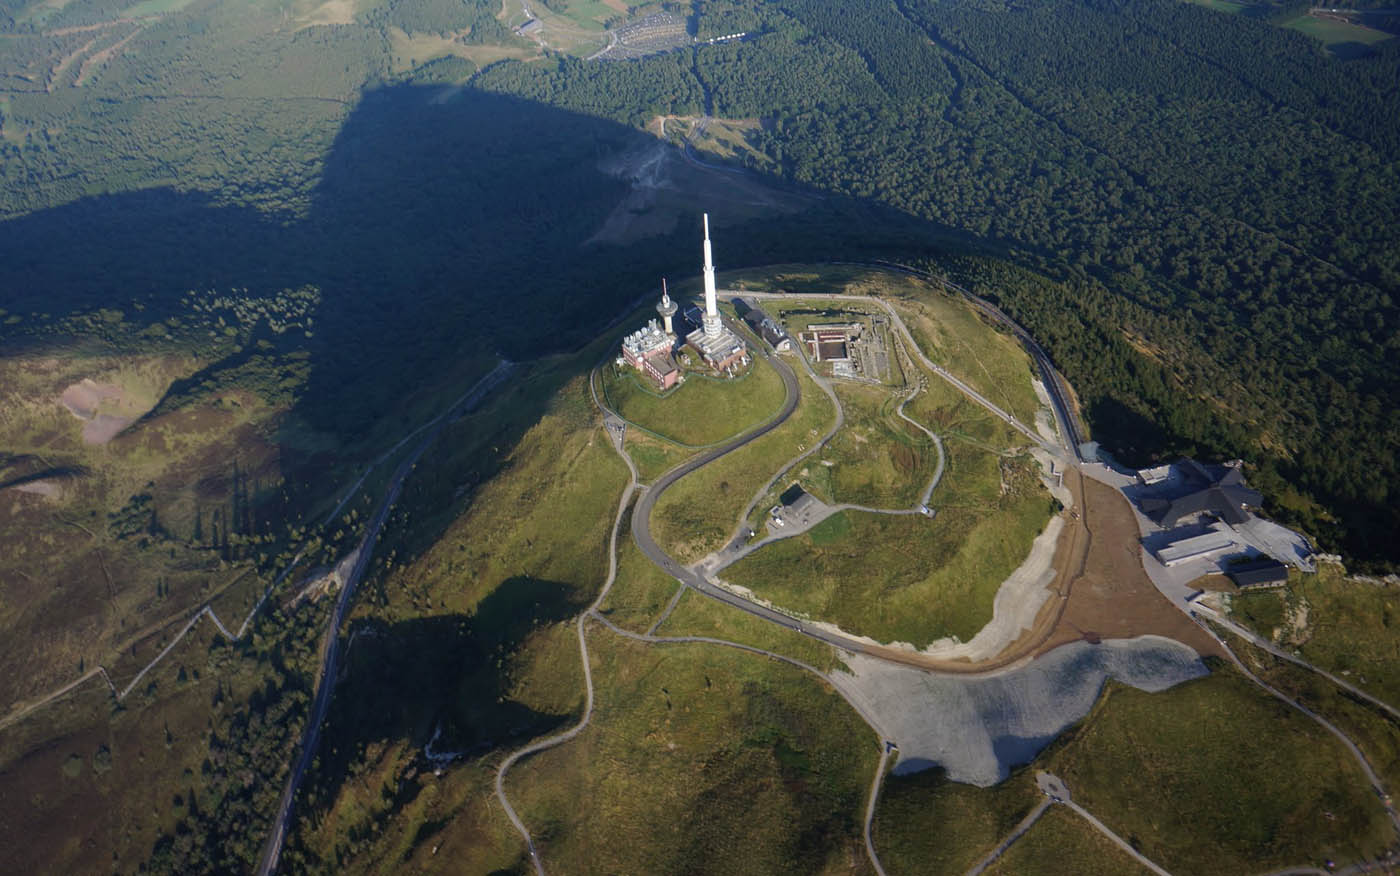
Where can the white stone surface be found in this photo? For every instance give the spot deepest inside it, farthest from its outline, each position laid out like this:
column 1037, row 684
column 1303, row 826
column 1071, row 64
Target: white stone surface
column 977, row 728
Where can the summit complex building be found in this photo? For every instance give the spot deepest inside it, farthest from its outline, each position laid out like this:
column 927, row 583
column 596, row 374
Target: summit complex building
column 652, row 348
column 719, row 347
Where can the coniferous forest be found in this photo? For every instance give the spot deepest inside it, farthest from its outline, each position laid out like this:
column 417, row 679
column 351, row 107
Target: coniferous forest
column 1196, row 213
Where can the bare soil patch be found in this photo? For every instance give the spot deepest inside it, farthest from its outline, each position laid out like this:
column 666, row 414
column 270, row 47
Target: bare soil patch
column 1112, row 598
column 84, row 400
column 331, row 12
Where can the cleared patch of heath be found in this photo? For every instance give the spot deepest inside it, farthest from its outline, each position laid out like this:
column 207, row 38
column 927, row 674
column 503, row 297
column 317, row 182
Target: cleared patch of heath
column 978, row 728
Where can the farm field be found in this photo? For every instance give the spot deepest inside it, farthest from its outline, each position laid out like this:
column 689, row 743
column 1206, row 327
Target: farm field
column 1332, row 32
column 1228, row 6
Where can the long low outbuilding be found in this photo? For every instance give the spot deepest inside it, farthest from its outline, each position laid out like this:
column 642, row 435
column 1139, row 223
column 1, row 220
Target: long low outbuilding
column 1192, row 547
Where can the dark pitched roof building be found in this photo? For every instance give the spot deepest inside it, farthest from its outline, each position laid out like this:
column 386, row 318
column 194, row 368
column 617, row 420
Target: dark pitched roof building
column 1260, row 573
column 1218, row 489
column 764, row 326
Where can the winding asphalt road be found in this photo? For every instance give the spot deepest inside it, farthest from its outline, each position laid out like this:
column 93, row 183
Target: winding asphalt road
column 1054, row 383
column 641, row 515
column 1264, row 644
column 592, row 612
column 1375, row 780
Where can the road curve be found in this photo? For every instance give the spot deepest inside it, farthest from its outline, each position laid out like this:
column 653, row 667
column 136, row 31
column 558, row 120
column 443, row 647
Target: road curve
column 593, row 612
column 1264, row 644
column 840, row 421
column 560, row 738
column 1356, row 753
column 641, row 523
column 1054, row 384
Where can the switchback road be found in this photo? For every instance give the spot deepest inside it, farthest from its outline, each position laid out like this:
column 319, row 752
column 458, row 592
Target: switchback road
column 615, row 437
column 689, row 576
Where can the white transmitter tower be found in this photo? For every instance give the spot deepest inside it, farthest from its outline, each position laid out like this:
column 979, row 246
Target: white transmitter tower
column 711, row 320
column 719, row 347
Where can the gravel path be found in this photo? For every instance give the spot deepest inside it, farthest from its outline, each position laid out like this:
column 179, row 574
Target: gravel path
column 1016, row 833
column 592, row 613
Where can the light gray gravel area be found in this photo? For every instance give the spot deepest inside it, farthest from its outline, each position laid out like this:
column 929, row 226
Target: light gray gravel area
column 977, row 728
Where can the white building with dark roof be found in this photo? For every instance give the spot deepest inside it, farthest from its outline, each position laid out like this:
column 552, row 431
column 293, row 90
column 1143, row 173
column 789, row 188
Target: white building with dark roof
column 648, row 349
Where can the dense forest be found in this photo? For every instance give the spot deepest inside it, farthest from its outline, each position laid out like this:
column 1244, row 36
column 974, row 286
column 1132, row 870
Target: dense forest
column 335, row 205
column 1217, row 195
column 1213, row 197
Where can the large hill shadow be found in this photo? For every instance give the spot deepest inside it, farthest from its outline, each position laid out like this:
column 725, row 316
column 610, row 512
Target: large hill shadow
column 443, row 682
column 440, row 230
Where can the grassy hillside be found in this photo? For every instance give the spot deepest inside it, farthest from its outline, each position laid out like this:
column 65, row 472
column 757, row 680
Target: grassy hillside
column 1062, row 842
column 703, row 759
column 1234, row 779
column 641, row 590
column 905, row 578
column 161, row 783
column 877, row 459
column 1212, row 776
column 1342, row 625
column 700, row 512
column 702, row 410
column 476, row 616
column 697, row 615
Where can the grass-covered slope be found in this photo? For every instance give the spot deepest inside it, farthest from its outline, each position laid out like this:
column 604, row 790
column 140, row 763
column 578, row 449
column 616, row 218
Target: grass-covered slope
column 907, row 578
column 1062, row 843
column 469, row 634
column 702, row 759
column 877, row 459
column 1214, row 776
column 1340, row 624
column 702, row 410
column 700, row 512
column 1225, row 779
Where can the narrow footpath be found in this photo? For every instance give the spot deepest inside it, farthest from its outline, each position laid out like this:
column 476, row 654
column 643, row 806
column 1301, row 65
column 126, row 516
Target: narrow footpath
column 593, row 613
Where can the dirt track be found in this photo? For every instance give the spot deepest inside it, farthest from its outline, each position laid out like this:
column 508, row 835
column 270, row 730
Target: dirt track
column 1112, row 597
column 1100, row 590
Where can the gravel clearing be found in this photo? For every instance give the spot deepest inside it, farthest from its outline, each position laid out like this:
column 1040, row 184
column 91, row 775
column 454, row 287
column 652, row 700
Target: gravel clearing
column 978, row 728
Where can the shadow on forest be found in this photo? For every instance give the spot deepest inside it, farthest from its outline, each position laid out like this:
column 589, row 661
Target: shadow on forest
column 438, row 229
column 1139, row 439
